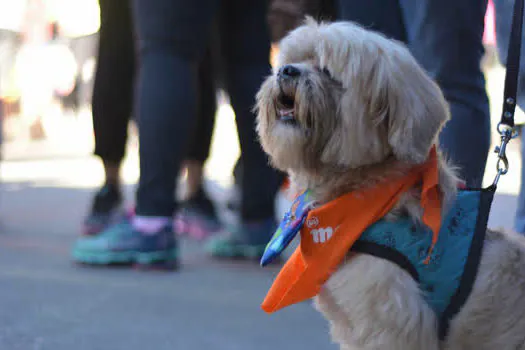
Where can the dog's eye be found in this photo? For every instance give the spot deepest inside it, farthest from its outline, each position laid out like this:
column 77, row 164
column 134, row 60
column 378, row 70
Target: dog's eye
column 326, row 72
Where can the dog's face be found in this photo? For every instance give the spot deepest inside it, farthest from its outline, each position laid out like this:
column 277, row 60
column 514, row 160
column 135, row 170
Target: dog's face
column 342, row 96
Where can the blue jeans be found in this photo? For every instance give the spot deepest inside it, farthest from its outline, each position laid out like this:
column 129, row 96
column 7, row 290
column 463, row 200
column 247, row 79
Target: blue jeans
column 445, row 37
column 503, row 13
column 172, row 37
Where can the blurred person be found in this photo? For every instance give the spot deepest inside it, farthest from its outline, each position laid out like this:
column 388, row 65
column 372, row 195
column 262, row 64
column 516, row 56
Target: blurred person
column 504, row 10
column 446, row 39
column 172, row 38
column 39, row 67
column 112, row 111
column 12, row 14
column 76, row 26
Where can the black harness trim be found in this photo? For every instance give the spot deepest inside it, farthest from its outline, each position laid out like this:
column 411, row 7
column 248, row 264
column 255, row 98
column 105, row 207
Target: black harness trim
column 472, row 264
column 384, row 252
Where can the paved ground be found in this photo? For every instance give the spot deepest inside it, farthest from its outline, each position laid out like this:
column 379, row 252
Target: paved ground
column 48, row 303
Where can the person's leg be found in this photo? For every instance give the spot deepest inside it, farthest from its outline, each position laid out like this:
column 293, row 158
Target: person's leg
column 197, row 216
column 380, row 15
column 247, row 60
column 113, row 89
column 172, row 39
column 172, row 36
column 503, row 14
column 446, row 39
column 247, row 66
column 111, row 107
column 199, row 146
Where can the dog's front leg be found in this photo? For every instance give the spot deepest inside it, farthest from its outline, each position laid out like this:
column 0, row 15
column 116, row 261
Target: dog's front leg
column 373, row 304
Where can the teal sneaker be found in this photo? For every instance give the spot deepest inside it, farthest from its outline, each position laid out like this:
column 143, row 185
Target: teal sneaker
column 246, row 241
column 122, row 244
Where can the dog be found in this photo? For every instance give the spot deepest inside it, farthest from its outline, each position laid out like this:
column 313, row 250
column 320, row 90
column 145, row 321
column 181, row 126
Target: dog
column 345, row 109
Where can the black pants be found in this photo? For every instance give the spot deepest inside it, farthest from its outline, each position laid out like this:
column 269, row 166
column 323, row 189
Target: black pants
column 172, row 39
column 199, row 144
column 113, row 88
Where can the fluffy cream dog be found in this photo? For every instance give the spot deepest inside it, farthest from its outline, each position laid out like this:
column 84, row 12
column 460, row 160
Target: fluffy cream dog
column 344, row 109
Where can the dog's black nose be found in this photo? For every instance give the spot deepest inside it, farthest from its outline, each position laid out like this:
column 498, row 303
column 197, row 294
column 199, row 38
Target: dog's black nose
column 289, row 71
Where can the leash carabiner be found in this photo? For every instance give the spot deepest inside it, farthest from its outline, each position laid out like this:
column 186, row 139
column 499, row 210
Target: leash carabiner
column 507, row 133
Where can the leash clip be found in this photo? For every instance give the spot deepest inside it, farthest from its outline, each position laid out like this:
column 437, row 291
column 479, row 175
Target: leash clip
column 507, row 133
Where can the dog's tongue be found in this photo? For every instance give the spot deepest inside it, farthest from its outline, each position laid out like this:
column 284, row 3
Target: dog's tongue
column 287, row 113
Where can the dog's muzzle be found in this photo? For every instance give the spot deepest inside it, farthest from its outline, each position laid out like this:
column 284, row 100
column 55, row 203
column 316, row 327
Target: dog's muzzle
column 287, row 80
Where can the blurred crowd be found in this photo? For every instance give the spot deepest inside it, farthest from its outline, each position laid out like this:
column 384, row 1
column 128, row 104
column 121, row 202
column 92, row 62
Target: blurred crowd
column 160, row 64
column 47, row 56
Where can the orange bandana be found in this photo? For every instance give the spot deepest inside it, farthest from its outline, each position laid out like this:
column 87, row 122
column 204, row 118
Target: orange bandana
column 331, row 230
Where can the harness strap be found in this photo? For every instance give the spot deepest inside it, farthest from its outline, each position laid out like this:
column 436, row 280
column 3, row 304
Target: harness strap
column 384, row 252
column 470, row 271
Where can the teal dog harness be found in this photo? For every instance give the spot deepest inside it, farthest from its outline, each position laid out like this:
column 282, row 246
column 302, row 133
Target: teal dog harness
column 447, row 280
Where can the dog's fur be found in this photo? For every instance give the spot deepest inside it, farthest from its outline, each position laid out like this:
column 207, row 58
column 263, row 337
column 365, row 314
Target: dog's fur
column 363, row 111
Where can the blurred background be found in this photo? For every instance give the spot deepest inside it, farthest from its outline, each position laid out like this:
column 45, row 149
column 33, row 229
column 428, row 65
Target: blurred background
column 48, row 52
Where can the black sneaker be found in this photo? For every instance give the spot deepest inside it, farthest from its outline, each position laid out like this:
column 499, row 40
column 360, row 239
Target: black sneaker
column 105, row 210
column 197, row 217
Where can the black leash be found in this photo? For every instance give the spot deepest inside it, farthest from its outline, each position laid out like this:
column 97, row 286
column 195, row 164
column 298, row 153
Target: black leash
column 506, row 125
column 513, row 65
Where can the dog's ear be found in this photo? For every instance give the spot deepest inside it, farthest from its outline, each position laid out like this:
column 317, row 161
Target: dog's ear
column 416, row 108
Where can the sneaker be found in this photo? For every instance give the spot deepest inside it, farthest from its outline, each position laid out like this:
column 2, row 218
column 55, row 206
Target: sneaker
column 105, row 210
column 246, row 241
column 197, row 217
column 122, row 244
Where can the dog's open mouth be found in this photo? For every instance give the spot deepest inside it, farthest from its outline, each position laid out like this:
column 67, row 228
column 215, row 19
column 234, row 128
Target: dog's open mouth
column 286, row 109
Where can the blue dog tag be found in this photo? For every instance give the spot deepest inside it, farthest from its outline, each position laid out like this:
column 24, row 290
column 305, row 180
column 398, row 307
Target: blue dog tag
column 290, row 225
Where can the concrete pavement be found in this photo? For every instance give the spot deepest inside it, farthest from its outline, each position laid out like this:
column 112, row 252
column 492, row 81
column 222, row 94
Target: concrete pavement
column 49, row 303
